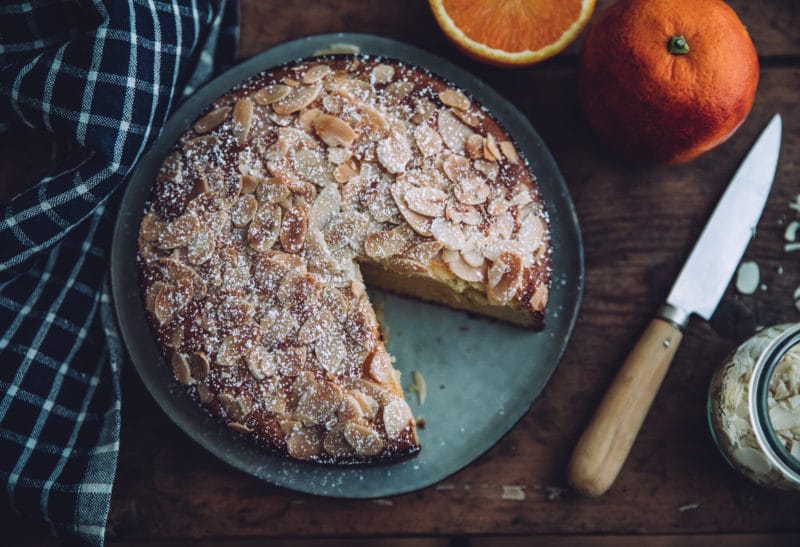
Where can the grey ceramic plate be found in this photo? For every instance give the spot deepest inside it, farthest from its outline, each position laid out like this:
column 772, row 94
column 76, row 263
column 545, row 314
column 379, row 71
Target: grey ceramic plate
column 482, row 375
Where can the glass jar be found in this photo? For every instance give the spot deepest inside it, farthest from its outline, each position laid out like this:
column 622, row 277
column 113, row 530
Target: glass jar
column 754, row 407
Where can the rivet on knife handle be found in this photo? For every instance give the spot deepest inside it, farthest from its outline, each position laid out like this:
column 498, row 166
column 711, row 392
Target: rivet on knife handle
column 606, row 442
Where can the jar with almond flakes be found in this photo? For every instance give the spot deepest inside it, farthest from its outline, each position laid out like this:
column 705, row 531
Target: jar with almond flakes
column 754, row 407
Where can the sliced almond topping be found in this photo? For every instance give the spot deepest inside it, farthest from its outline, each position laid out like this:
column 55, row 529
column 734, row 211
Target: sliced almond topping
column 462, row 214
column 382, row 245
column 343, row 173
column 453, row 131
column 172, row 299
column 249, row 184
column 279, row 326
column 423, row 110
column 510, row 152
column 212, row 120
column 200, row 249
column 179, row 232
column 381, row 74
column 397, row 91
column 180, row 368
column 338, row 155
column 316, row 73
column 474, row 147
column 272, row 190
column 425, row 252
column 448, row 234
column 151, row 227
column 472, row 191
column 315, row 326
column 456, row 99
column 334, row 131
column 380, row 366
column 531, row 232
column 243, row 210
column 240, row 428
column 230, row 351
column 312, row 166
column 487, row 168
column 304, row 443
column 335, row 444
column 271, row 93
column 324, row 208
column 293, row 230
column 419, row 223
column 504, row 278
column 469, row 117
column 394, row 153
column 490, row 149
column 291, row 82
column 331, row 351
column 456, row 167
column 473, row 258
column 464, row 271
column 307, row 117
column 426, row 201
column 350, row 410
column 204, row 394
column 405, row 265
column 261, row 363
column 397, row 417
column 152, row 293
column 428, row 140
column 242, row 119
column 369, row 406
column 320, row 401
column 199, row 365
column 175, row 271
column 364, row 440
column 539, row 298
column 265, row 227
column 297, row 99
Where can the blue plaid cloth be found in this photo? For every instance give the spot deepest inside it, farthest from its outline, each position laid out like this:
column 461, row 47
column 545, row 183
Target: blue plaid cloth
column 101, row 77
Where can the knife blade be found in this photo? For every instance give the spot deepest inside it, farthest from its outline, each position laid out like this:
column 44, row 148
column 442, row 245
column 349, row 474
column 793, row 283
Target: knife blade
column 605, row 444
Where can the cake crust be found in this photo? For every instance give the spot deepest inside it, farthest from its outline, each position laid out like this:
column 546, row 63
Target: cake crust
column 269, row 207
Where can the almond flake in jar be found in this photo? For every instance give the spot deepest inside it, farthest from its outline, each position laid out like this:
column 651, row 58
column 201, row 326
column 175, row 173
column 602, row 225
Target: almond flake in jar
column 742, row 430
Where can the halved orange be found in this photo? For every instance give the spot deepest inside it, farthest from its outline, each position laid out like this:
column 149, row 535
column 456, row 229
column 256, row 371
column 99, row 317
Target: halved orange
column 512, row 32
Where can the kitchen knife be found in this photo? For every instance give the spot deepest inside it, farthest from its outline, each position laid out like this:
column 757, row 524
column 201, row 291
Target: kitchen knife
column 607, row 440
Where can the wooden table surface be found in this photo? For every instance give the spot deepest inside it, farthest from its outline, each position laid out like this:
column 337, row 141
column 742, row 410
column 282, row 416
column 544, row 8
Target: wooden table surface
column 639, row 223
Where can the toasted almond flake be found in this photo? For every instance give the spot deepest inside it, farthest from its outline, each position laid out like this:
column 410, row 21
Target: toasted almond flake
column 312, row 166
column 419, row 223
column 471, row 191
column 293, row 229
column 490, row 149
column 394, row 153
column 507, row 147
column 204, row 394
column 271, row 94
column 199, row 365
column 200, row 249
column 324, row 208
column 180, row 368
column 469, row 117
column 397, row 91
column 539, row 298
column 242, row 119
column 381, row 74
column 304, row 443
column 151, row 227
column 424, row 252
column 397, row 417
column 454, row 132
column 448, row 234
column 212, row 120
column 405, row 265
column 335, row 444
column 426, row 201
column 178, row 232
column 249, row 184
column 331, row 351
column 265, row 227
column 383, row 244
column 315, row 326
column 272, row 190
column 152, row 293
column 261, row 363
column 171, row 300
column 316, row 73
column 243, row 210
column 489, row 169
column 504, row 278
column 454, row 98
column 472, row 258
column 531, row 233
column 298, row 99
column 474, row 146
column 462, row 214
column 364, row 440
column 343, row 173
column 463, row 270
column 291, row 82
column 307, row 117
column 428, row 140
column 239, row 428
column 334, row 131
column 456, row 167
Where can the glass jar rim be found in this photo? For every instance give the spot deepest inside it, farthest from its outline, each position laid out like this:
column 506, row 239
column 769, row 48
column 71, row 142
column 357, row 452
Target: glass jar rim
column 758, row 397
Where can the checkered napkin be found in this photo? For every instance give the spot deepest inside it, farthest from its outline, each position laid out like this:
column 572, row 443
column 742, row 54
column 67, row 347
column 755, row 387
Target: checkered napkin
column 102, row 77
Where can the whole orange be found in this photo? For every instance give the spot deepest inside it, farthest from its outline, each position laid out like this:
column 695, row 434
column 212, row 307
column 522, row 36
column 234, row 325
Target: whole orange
column 667, row 80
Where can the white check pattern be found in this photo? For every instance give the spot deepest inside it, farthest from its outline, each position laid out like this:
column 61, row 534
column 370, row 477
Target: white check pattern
column 102, row 77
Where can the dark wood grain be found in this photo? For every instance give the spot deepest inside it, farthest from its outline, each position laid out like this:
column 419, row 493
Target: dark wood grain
column 639, row 223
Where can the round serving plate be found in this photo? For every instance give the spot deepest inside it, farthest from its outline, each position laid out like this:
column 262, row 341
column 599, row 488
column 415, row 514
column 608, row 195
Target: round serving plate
column 482, row 375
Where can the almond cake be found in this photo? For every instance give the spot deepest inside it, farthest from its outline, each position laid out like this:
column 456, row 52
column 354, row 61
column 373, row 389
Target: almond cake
column 290, row 191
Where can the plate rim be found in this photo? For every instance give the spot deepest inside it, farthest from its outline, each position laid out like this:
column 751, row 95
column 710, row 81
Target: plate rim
column 277, row 55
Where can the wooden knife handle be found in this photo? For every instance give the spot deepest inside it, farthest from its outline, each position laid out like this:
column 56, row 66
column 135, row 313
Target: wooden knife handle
column 607, row 440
